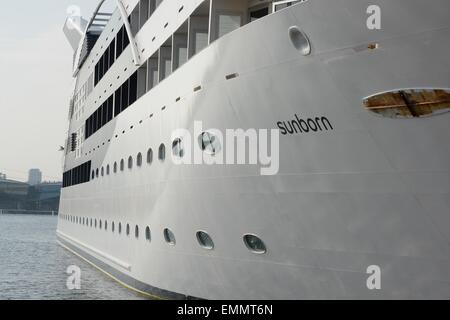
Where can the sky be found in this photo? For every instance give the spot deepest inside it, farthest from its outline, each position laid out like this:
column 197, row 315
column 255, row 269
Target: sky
column 35, row 85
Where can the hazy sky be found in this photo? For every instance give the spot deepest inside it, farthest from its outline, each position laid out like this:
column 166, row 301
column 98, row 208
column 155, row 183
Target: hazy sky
column 35, row 82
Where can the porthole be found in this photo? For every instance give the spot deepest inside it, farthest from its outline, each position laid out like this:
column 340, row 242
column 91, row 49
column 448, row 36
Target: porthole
column 205, row 240
column 122, row 165
column 139, row 159
column 162, row 152
column 115, row 167
column 120, row 228
column 169, row 237
column 136, row 232
column 299, row 40
column 130, row 163
column 150, row 156
column 209, row 143
column 128, row 230
column 255, row 244
column 177, row 148
column 148, row 234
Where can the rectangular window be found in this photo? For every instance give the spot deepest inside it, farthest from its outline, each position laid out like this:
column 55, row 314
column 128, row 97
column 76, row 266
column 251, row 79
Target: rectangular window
column 100, row 69
column 99, row 119
column 198, row 34
column 133, row 89
column 152, row 69
column 126, row 40
column 86, row 133
column 92, row 126
column 165, row 66
column 110, row 107
column 118, row 102
column 258, row 13
column 228, row 23
column 112, row 53
column 180, row 45
column 96, row 74
column 105, row 62
column 143, row 12
column 125, row 94
column 119, row 43
column 104, row 113
column 77, row 175
column 94, row 129
column 142, row 80
column 134, row 17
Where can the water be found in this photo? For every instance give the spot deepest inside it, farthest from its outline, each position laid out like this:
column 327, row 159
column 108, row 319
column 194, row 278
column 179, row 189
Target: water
column 33, row 266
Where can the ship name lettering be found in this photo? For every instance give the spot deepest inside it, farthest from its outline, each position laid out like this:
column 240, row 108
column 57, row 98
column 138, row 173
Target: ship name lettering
column 303, row 126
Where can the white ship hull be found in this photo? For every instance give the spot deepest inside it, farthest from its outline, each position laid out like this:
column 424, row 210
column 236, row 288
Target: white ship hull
column 370, row 191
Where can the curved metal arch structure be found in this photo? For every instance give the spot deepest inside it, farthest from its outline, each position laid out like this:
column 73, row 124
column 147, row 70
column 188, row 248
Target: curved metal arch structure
column 124, row 16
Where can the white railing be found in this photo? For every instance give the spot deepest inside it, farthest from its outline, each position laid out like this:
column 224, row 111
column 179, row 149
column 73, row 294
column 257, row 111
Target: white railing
column 286, row 2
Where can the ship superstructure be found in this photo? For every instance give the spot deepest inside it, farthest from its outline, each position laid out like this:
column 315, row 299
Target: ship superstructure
column 359, row 204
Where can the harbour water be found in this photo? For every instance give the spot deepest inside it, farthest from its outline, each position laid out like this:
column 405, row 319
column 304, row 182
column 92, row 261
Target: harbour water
column 33, row 266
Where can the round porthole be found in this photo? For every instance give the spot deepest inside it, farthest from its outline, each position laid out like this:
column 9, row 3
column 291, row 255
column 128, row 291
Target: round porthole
column 209, row 143
column 149, row 156
column 177, row 148
column 205, row 240
column 162, row 153
column 139, row 159
column 255, row 244
column 299, row 40
column 169, row 237
column 148, row 235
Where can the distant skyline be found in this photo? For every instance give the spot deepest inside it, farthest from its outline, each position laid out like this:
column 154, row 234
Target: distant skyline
column 35, row 82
